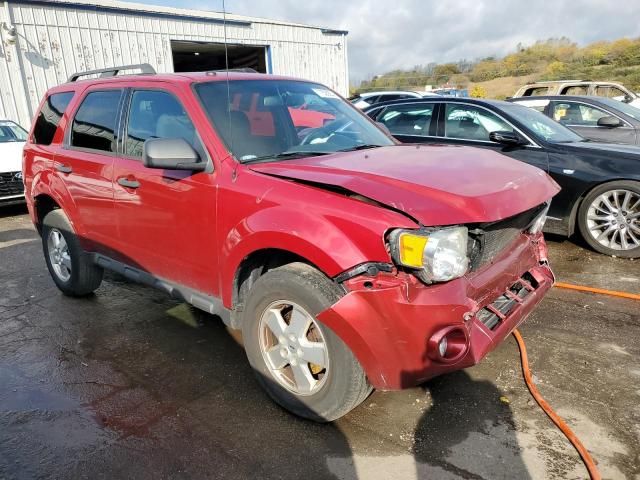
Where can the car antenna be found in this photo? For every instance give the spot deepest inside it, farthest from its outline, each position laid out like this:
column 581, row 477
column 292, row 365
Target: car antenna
column 226, row 66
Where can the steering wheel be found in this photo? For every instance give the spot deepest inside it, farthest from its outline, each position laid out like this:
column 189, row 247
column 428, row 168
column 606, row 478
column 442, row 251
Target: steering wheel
column 315, row 134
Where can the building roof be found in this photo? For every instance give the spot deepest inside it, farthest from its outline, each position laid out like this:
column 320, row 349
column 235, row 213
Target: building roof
column 156, row 10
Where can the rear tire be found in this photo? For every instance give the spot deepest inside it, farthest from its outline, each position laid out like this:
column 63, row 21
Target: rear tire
column 71, row 268
column 609, row 219
column 281, row 304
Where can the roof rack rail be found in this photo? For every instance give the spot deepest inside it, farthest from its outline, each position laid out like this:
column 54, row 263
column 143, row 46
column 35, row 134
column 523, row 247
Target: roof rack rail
column 561, row 81
column 144, row 68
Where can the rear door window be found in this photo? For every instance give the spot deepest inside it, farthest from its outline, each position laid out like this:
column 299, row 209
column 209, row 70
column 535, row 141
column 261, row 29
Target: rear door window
column 469, row 122
column 413, row 119
column 575, row 90
column 49, row 117
column 94, row 126
column 157, row 114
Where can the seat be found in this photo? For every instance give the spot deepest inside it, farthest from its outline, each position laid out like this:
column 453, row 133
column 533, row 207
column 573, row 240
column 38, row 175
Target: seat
column 572, row 115
column 469, row 129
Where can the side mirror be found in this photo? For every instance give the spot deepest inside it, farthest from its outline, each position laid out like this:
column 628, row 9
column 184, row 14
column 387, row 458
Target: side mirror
column 507, row 138
column 384, row 128
column 609, row 122
column 171, row 154
column 627, row 99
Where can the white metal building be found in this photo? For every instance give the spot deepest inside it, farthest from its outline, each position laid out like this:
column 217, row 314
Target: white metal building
column 45, row 42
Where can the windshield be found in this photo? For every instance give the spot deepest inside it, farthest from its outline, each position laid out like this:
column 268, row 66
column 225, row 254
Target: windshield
column 268, row 119
column 625, row 108
column 11, row 132
column 542, row 126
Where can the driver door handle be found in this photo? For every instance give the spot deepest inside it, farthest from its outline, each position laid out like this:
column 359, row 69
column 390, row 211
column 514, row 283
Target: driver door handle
column 64, row 168
column 128, row 182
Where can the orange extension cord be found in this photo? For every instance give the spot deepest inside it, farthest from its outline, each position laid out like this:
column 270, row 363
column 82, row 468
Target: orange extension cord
column 555, row 418
column 611, row 293
column 564, row 428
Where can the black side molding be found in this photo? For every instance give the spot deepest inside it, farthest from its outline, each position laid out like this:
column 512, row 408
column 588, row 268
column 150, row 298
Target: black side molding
column 200, row 300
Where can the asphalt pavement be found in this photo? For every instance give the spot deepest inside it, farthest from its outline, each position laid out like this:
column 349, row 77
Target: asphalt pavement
column 131, row 384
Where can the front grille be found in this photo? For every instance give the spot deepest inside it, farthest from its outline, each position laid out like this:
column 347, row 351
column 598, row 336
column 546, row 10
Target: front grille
column 487, row 241
column 492, row 315
column 11, row 184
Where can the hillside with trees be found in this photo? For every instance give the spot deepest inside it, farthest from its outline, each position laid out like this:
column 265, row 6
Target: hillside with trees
column 552, row 59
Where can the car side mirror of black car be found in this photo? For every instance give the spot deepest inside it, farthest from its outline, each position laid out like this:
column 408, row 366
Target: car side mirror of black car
column 609, row 122
column 507, row 138
column 171, row 154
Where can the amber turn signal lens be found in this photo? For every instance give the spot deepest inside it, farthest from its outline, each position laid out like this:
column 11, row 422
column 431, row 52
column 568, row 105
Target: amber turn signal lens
column 412, row 249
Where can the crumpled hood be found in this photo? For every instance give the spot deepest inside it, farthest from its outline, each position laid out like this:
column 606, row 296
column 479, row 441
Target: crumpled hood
column 436, row 185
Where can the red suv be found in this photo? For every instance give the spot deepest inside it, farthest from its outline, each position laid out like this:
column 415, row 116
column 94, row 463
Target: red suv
column 348, row 261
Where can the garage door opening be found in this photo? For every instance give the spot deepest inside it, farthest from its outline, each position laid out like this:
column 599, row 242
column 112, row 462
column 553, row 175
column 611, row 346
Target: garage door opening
column 204, row 56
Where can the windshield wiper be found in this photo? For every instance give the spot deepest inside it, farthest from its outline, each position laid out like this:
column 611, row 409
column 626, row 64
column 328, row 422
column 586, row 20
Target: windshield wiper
column 365, row 146
column 284, row 156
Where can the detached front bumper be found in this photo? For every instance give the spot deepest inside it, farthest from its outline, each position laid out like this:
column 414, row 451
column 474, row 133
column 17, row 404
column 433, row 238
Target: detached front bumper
column 392, row 322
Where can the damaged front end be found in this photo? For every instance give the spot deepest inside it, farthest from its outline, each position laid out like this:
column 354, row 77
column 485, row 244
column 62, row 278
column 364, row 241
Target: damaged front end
column 405, row 330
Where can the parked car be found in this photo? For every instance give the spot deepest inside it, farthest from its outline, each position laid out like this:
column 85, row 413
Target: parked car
column 596, row 118
column 349, row 261
column 12, row 139
column 600, row 182
column 614, row 90
column 364, row 100
column 450, row 92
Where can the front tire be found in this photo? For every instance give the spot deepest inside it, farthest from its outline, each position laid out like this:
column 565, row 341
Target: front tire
column 609, row 219
column 70, row 266
column 303, row 365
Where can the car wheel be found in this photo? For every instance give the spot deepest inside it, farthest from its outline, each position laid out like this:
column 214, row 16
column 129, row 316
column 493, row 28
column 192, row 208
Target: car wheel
column 303, row 365
column 69, row 265
column 609, row 219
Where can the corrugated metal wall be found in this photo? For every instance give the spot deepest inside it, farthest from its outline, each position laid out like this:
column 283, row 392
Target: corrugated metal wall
column 55, row 41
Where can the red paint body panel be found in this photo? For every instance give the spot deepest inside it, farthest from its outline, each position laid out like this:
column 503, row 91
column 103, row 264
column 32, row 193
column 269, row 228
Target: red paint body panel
column 196, row 229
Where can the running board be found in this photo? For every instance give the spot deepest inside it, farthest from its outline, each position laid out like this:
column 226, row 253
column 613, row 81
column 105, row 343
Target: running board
column 201, row 301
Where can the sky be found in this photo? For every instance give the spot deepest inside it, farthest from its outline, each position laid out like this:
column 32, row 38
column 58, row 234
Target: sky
column 404, row 33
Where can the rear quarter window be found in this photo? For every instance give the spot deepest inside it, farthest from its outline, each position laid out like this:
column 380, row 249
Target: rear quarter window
column 49, row 117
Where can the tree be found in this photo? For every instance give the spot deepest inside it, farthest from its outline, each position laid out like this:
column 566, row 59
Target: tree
column 478, row 91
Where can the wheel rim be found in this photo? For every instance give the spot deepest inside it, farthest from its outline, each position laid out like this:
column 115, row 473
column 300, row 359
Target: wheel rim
column 59, row 256
column 293, row 347
column 613, row 219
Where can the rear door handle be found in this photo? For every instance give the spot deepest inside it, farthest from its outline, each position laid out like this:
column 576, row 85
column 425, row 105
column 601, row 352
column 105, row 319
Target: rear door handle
column 64, row 168
column 128, row 183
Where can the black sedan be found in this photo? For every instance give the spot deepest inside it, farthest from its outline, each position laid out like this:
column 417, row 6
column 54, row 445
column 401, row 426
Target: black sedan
column 597, row 118
column 600, row 183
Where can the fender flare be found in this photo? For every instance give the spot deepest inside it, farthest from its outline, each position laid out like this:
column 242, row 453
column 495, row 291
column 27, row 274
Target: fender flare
column 333, row 253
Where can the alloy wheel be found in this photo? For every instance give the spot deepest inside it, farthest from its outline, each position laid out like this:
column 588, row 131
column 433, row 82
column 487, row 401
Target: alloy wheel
column 59, row 256
column 613, row 219
column 293, row 347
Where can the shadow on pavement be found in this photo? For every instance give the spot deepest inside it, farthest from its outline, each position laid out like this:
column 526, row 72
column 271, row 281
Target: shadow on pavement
column 467, row 425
